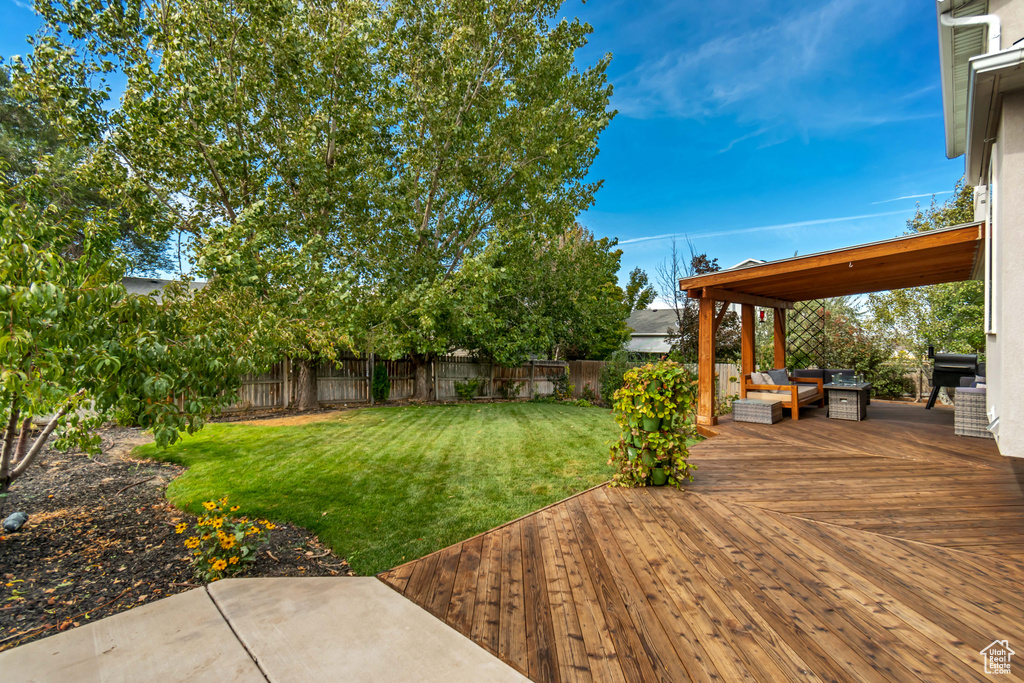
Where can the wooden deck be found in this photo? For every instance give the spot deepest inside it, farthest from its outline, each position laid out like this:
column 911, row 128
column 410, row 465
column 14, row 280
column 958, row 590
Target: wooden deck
column 812, row 550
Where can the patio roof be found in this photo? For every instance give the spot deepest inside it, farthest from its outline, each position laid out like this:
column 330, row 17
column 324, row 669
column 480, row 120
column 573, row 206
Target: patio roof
column 946, row 255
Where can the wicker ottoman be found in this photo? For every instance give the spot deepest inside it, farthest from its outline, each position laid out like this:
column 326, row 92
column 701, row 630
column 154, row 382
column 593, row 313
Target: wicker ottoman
column 970, row 418
column 756, row 410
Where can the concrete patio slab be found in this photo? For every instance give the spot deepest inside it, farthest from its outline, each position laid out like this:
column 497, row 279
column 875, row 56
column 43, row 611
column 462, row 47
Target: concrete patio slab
column 180, row 638
column 353, row 629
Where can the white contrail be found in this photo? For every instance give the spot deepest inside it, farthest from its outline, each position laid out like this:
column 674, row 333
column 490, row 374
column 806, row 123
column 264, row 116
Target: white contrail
column 912, row 196
column 761, row 228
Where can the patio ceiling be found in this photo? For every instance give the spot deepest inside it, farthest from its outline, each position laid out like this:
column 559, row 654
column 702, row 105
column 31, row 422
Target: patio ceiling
column 948, row 255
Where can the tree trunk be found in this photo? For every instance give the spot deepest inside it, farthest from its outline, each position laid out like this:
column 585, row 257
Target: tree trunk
column 305, row 386
column 423, row 389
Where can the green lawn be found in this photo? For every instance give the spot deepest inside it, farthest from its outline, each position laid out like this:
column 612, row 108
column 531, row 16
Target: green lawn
column 397, row 483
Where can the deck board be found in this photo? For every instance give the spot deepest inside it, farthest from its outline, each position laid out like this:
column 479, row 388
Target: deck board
column 883, row 550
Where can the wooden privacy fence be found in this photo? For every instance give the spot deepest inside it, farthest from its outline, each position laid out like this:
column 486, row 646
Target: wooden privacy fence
column 587, row 373
column 348, row 381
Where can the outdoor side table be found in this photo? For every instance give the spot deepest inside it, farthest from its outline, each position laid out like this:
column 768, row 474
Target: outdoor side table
column 757, row 411
column 848, row 401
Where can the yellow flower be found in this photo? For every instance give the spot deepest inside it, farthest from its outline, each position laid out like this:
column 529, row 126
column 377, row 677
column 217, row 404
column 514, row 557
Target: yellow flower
column 180, row 529
column 235, row 508
column 217, row 523
column 252, row 530
column 220, row 565
column 192, row 542
column 209, row 505
column 228, row 543
column 233, row 560
column 223, row 501
column 270, row 526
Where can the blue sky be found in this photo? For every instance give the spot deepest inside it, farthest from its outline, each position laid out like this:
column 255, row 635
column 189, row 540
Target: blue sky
column 755, row 126
column 758, row 129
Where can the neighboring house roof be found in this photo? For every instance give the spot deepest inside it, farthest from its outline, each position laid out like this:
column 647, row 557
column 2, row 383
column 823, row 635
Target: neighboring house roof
column 651, row 330
column 745, row 263
column 150, row 285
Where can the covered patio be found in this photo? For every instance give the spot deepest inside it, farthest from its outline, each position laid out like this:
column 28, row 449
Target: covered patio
column 947, row 255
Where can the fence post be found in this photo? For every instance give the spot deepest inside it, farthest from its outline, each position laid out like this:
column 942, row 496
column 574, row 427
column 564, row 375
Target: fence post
column 286, row 387
column 433, row 371
column 369, row 387
column 490, row 386
column 533, row 370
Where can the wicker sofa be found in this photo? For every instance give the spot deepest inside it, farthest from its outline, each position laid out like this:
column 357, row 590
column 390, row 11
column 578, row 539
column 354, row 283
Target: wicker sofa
column 801, row 392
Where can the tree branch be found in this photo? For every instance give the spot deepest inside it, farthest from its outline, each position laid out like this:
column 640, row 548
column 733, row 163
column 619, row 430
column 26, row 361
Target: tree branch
column 21, row 466
column 225, row 200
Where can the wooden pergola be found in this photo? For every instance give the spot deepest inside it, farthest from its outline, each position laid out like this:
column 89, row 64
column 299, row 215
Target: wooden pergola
column 947, row 255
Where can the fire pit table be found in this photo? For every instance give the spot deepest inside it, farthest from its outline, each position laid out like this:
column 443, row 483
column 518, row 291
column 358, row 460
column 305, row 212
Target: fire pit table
column 848, row 400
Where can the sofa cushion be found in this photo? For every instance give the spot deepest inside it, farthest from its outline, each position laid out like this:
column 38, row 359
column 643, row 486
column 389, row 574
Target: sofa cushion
column 760, row 378
column 803, row 392
column 813, row 373
column 779, row 376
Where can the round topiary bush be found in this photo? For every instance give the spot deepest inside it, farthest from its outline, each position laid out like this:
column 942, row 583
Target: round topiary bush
column 655, row 410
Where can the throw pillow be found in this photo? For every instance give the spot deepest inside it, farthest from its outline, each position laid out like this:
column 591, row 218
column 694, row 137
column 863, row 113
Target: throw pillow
column 759, row 378
column 779, row 376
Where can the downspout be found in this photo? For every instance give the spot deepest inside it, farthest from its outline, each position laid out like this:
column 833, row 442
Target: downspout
column 990, row 20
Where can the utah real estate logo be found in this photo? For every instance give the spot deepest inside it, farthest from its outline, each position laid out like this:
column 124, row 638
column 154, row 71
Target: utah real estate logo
column 997, row 657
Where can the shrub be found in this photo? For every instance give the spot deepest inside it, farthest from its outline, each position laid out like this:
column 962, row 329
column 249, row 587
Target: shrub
column 612, row 373
column 587, row 393
column 468, row 390
column 563, row 390
column 221, row 545
column 665, row 391
column 890, row 380
column 381, row 388
column 510, row 389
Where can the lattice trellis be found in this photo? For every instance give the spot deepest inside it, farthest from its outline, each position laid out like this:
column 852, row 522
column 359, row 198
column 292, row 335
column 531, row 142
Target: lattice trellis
column 805, row 335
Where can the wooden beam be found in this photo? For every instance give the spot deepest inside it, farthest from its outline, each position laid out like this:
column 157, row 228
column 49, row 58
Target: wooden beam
column 747, row 347
column 738, row 297
column 721, row 316
column 706, row 364
column 900, row 252
column 780, row 337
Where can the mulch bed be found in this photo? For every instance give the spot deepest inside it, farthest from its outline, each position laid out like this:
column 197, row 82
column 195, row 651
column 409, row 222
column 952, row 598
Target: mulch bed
column 100, row 540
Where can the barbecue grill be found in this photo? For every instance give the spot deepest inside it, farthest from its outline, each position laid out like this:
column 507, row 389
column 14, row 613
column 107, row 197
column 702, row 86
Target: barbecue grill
column 947, row 370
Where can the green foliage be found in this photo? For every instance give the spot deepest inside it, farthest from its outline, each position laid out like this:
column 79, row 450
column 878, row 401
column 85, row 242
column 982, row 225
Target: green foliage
column 468, row 390
column 381, row 388
column 397, row 482
column 612, row 374
column 222, row 545
column 340, row 167
column 563, row 391
column 891, row 380
column 639, row 294
column 665, row 392
column 949, row 316
column 510, row 389
column 75, row 343
column 49, row 171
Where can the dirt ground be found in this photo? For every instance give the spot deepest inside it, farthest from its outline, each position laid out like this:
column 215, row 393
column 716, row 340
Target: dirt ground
column 100, row 539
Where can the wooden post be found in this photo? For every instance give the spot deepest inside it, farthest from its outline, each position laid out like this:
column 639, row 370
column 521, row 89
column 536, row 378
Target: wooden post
column 490, row 386
column 533, row 370
column 286, row 388
column 433, row 371
column 706, row 364
column 747, row 348
column 369, row 386
column 780, row 337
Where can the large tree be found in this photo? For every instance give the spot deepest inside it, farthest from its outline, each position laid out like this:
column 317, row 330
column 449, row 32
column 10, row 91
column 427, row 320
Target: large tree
column 349, row 169
column 493, row 130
